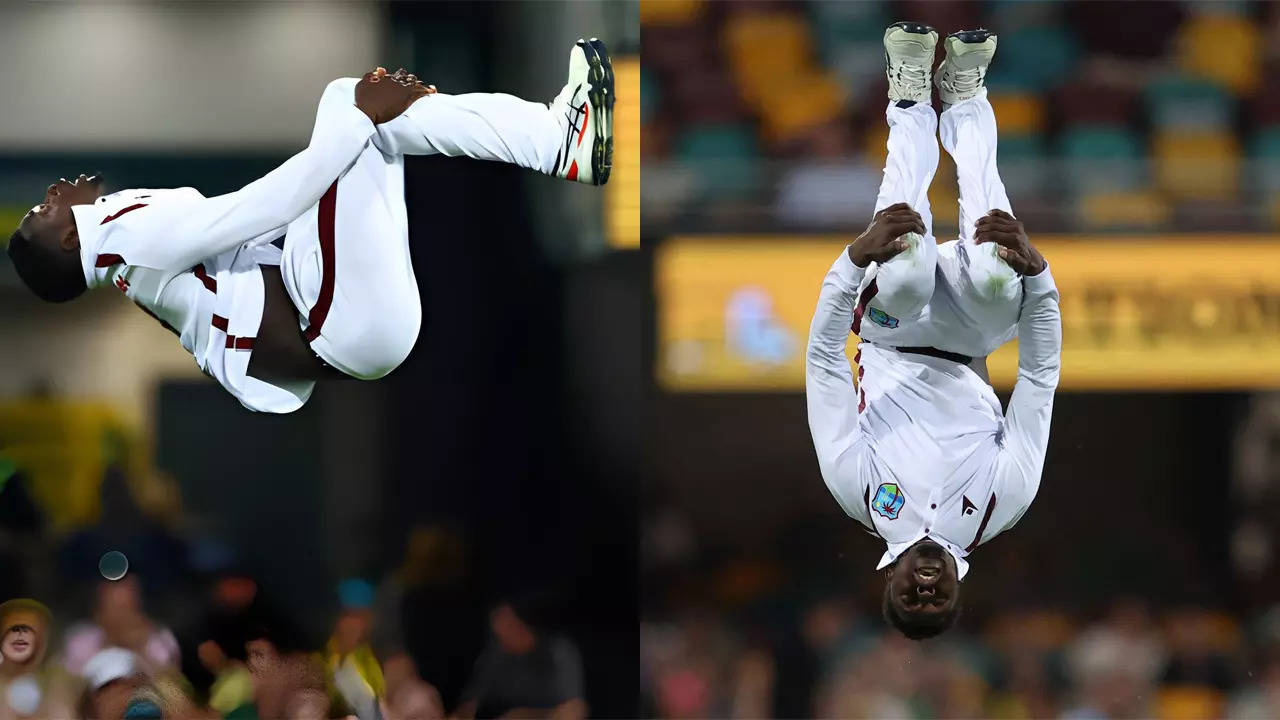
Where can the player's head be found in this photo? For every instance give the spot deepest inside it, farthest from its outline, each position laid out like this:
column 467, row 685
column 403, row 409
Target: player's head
column 922, row 591
column 45, row 249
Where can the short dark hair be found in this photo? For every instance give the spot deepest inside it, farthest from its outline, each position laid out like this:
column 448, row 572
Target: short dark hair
column 918, row 627
column 53, row 275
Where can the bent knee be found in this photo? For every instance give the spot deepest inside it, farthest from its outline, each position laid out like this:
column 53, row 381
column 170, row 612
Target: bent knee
column 905, row 296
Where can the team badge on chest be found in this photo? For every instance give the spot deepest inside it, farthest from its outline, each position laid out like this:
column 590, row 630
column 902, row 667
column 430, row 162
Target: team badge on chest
column 882, row 318
column 888, row 501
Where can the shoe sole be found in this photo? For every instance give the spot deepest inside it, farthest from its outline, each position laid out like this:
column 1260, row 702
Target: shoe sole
column 601, row 97
column 914, row 27
column 971, row 36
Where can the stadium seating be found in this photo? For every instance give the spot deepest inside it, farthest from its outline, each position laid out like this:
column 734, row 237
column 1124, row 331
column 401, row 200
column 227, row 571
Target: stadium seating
column 1116, row 127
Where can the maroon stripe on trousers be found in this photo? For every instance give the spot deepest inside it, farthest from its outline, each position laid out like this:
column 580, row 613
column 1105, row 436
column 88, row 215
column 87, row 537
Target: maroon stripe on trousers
column 109, row 260
column 867, row 293
column 328, row 210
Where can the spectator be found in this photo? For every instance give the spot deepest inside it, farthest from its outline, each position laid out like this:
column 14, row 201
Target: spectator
column 29, row 685
column 350, row 639
column 287, row 681
column 118, row 620
column 524, row 672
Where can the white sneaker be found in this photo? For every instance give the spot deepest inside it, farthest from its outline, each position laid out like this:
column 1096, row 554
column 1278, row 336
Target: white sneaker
column 908, row 60
column 962, row 73
column 585, row 110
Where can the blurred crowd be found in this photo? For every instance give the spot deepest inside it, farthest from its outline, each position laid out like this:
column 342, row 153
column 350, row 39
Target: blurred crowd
column 834, row 656
column 1138, row 116
column 190, row 633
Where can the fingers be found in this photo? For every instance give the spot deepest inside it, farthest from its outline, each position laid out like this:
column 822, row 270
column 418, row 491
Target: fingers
column 909, row 219
column 1003, row 238
column 900, row 228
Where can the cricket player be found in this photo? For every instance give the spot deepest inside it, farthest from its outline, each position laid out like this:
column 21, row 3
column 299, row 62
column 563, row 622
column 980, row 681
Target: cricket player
column 305, row 272
column 918, row 450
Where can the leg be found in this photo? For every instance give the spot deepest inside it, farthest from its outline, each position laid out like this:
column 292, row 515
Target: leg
column 478, row 125
column 905, row 283
column 347, row 269
column 968, row 132
column 571, row 137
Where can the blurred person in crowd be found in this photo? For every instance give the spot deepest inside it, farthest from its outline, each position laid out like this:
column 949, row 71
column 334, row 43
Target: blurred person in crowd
column 118, row 687
column 917, row 449
column 214, row 650
column 30, row 686
column 1198, row 655
column 287, row 680
column 1114, row 665
column 430, row 614
column 336, row 295
column 524, row 671
column 119, row 621
column 413, row 700
column 349, row 642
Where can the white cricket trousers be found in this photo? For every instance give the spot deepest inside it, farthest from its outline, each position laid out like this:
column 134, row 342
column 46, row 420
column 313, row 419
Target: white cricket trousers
column 346, row 261
column 957, row 296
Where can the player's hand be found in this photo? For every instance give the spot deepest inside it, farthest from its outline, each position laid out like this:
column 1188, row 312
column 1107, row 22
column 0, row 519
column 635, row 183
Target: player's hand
column 1006, row 231
column 883, row 237
column 405, row 77
column 383, row 97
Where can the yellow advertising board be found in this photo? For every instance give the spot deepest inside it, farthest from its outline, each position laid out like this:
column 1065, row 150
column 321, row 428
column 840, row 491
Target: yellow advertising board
column 622, row 194
column 1184, row 312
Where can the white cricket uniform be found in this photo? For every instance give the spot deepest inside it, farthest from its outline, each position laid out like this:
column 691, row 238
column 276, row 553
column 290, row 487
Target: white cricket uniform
column 193, row 262
column 918, row 446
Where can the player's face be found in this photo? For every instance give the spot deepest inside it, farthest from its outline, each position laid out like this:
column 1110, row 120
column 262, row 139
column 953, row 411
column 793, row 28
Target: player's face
column 924, row 580
column 51, row 220
column 19, row 644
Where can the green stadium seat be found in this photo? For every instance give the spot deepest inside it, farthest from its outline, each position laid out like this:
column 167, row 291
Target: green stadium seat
column 650, row 97
column 724, row 157
column 1034, row 59
column 1102, row 159
column 1264, row 150
column 1182, row 102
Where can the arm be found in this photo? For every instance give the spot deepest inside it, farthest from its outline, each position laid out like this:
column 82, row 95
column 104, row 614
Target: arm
column 1026, row 432
column 829, row 389
column 1026, row 428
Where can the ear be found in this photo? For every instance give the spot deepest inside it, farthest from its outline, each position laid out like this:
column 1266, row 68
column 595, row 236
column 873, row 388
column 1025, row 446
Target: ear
column 70, row 241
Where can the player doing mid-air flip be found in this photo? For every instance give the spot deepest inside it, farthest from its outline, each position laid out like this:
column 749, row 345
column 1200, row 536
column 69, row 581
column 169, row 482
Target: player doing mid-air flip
column 305, row 272
column 918, row 449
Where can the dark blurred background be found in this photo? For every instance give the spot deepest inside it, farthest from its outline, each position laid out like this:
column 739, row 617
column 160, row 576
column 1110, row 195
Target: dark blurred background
column 490, row 470
column 1142, row 581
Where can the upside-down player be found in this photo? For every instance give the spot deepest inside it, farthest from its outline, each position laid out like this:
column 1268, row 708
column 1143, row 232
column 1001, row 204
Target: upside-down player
column 918, row 449
column 305, row 272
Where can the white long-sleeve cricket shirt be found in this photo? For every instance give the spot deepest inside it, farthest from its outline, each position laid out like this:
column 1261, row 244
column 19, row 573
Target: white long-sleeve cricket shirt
column 919, row 446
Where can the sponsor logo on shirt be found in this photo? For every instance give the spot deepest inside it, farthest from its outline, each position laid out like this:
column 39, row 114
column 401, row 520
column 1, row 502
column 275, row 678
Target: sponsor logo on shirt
column 882, row 318
column 888, row 501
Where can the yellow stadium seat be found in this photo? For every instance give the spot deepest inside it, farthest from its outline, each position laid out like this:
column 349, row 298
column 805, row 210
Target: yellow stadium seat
column 765, row 50
column 1188, row 703
column 670, row 12
column 1197, row 164
column 1223, row 48
column 810, row 100
column 1018, row 113
column 1137, row 209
